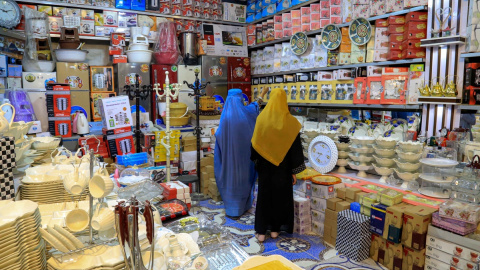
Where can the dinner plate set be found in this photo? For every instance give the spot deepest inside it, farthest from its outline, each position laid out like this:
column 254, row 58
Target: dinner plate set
column 21, row 246
column 101, row 257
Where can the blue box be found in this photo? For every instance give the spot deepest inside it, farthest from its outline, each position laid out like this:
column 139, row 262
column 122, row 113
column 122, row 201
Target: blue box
column 3, row 65
column 250, row 18
column 258, row 15
column 14, row 71
column 138, row 5
column 124, row 4
column 269, row 10
column 283, row 4
column 251, row 8
column 377, row 218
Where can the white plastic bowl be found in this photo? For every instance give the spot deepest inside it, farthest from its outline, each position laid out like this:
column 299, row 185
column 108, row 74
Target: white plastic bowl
column 407, row 166
column 386, row 143
column 71, row 55
column 44, row 143
column 38, row 66
column 140, row 56
column 138, row 47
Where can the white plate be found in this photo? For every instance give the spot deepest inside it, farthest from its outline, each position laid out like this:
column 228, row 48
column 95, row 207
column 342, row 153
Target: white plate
column 439, row 162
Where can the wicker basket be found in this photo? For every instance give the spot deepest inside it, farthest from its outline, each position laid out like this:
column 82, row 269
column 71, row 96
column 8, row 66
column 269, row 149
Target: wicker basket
column 179, row 121
column 178, row 109
column 207, row 103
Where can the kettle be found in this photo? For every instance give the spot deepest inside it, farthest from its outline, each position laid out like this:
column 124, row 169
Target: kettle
column 451, row 88
column 4, row 124
column 437, row 89
column 81, row 123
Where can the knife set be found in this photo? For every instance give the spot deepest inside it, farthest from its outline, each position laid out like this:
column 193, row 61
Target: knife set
column 126, row 225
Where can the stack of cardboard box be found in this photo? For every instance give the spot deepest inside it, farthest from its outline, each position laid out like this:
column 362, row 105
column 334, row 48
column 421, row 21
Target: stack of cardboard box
column 341, row 202
column 303, row 219
column 207, row 178
column 318, row 201
column 353, row 239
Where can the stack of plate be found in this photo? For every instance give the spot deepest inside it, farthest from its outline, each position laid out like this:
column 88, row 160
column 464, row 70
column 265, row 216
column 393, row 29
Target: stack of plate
column 384, row 158
column 409, row 153
column 21, row 246
column 99, row 257
column 46, row 189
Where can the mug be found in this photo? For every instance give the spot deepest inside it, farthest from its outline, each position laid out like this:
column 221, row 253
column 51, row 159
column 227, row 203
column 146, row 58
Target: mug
column 75, row 183
column 101, row 184
column 103, row 219
column 77, row 220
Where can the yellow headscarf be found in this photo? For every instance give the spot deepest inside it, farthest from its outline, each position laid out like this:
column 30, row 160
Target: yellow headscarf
column 276, row 129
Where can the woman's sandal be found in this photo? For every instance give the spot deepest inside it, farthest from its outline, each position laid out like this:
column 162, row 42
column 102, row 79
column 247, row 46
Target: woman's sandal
column 260, row 237
column 274, row 235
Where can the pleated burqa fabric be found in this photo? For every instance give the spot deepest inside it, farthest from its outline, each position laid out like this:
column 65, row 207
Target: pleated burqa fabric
column 234, row 171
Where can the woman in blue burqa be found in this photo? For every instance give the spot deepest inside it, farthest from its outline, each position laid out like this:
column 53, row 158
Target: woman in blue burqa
column 234, row 171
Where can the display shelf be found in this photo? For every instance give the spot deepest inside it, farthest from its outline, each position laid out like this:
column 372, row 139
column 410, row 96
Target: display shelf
column 284, row 11
column 12, row 34
column 440, row 100
column 385, row 63
column 150, row 13
column 470, row 55
column 469, row 107
column 319, row 31
column 442, row 41
column 55, row 36
column 379, row 107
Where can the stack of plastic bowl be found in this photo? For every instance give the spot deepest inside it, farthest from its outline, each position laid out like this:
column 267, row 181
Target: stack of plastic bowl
column 384, row 157
column 361, row 154
column 408, row 155
column 343, row 147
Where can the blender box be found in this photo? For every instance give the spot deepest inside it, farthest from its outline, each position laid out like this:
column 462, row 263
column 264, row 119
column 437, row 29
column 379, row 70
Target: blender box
column 60, row 126
column 75, row 74
column 38, row 80
column 115, row 112
column 415, row 225
column 101, row 79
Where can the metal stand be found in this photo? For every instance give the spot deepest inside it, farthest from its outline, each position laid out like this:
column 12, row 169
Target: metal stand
column 197, row 88
column 137, row 94
column 170, row 91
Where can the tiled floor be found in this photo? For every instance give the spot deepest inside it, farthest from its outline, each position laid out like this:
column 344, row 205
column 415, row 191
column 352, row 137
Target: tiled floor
column 304, row 250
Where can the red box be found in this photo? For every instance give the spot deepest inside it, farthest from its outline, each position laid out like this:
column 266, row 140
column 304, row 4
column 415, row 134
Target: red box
column 396, row 20
column 416, row 16
column 60, row 126
column 287, row 25
column 395, row 46
column 296, row 14
column 411, row 44
column 21, row 25
column 335, row 19
column 177, row 10
column 187, row 11
column 314, row 26
column 305, row 27
column 315, row 17
column 296, row 22
column 305, row 19
column 414, row 53
column 251, row 40
column 165, row 8
column 324, row 4
column 394, row 55
column 117, row 39
column 288, row 32
column 324, row 23
column 115, row 50
column 416, row 26
column 381, row 23
column 278, row 27
column 119, row 141
column 296, row 29
column 279, row 34
column 59, row 103
column 418, row 34
column 239, row 69
column 360, row 84
column 396, row 29
column 286, row 17
column 396, row 37
column 119, row 59
column 277, row 19
column 370, row 82
column 314, row 8
column 251, row 29
column 325, row 14
column 245, row 87
column 189, row 26
column 394, row 71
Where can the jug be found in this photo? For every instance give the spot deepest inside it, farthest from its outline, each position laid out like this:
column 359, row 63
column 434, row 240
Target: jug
column 4, row 124
column 82, row 124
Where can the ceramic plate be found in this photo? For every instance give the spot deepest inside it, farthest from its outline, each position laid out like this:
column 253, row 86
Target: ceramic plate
column 331, row 37
column 299, row 43
column 360, row 31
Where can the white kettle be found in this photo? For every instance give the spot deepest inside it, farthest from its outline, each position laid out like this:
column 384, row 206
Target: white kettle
column 82, row 124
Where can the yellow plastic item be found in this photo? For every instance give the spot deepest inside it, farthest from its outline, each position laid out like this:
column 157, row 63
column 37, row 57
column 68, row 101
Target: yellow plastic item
column 326, row 180
column 307, row 174
column 273, row 262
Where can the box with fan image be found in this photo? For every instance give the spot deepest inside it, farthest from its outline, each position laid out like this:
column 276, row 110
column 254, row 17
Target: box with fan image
column 394, row 89
column 101, row 79
column 60, row 126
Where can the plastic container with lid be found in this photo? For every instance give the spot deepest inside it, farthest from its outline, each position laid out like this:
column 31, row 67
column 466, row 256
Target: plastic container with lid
column 437, row 176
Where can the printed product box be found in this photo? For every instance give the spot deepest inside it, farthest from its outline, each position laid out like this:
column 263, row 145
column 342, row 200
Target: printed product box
column 110, row 18
column 101, row 79
column 394, row 55
column 393, row 257
column 377, row 243
column 413, row 259
column 318, row 216
column 396, row 20
column 56, row 24
column 396, row 29
column 417, row 16
column 318, row 204
column 359, row 11
column 450, row 259
column 414, row 53
column 417, row 34
column 45, row 9
column 415, row 225
column 325, row 192
column 87, row 28
column 381, row 23
column 377, row 220
column 119, row 141
column 415, row 81
column 381, row 35
column 378, row 8
column 394, row 5
column 394, row 220
column 414, row 3
column 236, row 12
column 344, row 58
column 75, row 74
column 434, row 264
column 58, row 100
column 60, row 126
column 453, row 249
column 116, row 112
column 38, row 80
column 127, row 19
column 95, row 102
column 413, row 26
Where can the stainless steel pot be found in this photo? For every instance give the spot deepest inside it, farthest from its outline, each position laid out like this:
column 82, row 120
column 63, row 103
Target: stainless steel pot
column 188, row 47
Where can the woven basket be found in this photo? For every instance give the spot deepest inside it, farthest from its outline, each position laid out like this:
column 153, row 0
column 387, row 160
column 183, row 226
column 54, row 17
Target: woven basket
column 207, row 103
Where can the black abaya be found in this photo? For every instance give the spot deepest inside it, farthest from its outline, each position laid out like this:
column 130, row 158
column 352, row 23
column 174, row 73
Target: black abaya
column 274, row 210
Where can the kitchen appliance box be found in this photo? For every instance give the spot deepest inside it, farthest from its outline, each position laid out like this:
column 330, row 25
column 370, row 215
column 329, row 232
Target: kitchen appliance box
column 126, row 75
column 58, row 100
column 75, row 74
column 95, row 98
column 116, row 112
column 38, row 80
column 119, row 141
column 82, row 98
column 102, row 79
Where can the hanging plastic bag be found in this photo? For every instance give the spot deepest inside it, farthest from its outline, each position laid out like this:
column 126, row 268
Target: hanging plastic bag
column 166, row 50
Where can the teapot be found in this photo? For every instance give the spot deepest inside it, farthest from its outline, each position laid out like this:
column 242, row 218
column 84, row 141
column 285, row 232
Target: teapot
column 425, row 90
column 437, row 89
column 450, row 89
column 4, row 124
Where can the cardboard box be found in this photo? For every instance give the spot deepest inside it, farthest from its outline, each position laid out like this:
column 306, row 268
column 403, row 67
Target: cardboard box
column 340, row 206
column 325, row 192
column 60, row 126
column 318, row 204
column 350, row 193
column 453, row 249
column 434, row 264
column 234, row 12
column 318, row 216
column 102, row 79
column 359, row 195
column 75, row 74
column 393, row 258
column 413, row 259
column 81, row 98
column 394, row 220
column 450, row 259
column 116, row 112
column 331, row 217
column 377, row 243
column 415, row 225
column 38, row 80
column 331, row 203
column 110, row 18
column 341, row 192
column 95, row 98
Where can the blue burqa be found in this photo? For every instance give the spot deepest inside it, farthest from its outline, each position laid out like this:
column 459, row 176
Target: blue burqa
column 234, row 171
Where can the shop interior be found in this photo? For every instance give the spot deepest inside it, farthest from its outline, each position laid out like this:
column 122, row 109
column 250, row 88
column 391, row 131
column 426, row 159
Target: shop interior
column 239, row 134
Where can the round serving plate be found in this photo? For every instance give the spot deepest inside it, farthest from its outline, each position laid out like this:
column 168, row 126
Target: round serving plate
column 331, row 37
column 299, row 43
column 360, row 31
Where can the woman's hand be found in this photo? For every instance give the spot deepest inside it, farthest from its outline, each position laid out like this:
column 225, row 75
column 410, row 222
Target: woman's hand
column 294, row 179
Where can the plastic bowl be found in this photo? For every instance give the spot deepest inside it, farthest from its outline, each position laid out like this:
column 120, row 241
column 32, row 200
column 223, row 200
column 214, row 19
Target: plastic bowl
column 38, row 66
column 46, row 143
column 71, row 55
column 140, row 56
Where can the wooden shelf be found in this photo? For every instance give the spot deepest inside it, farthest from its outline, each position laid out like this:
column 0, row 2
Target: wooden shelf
column 442, row 41
column 375, row 107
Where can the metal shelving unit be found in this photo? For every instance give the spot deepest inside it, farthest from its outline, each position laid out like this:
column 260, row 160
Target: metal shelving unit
column 470, row 55
column 319, row 31
column 469, row 107
column 443, row 41
column 378, row 107
column 149, row 13
column 385, row 63
column 20, row 34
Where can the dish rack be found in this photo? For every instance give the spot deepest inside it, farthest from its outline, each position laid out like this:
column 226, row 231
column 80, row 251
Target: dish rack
column 73, row 255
